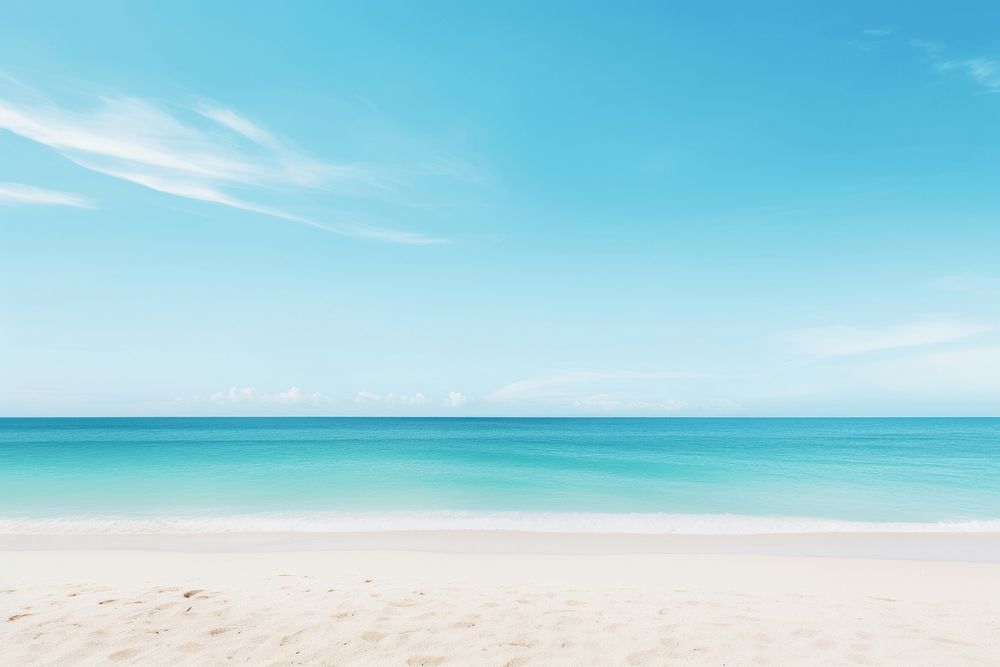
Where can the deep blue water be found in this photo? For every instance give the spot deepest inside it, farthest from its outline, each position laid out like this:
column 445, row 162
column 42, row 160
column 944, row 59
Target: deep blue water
column 871, row 470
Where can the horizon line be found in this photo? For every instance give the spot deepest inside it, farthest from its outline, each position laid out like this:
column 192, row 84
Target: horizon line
column 456, row 417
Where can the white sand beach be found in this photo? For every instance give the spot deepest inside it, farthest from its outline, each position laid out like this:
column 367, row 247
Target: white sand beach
column 199, row 602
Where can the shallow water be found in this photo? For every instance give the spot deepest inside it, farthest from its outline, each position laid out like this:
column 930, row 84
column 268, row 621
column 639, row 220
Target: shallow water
column 587, row 475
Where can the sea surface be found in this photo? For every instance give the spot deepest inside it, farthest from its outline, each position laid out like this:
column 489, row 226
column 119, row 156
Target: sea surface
column 707, row 476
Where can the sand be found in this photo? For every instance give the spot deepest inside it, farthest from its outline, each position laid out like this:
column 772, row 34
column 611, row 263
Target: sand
column 193, row 602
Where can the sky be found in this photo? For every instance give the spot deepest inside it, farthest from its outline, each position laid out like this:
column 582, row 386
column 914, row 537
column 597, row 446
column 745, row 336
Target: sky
column 516, row 208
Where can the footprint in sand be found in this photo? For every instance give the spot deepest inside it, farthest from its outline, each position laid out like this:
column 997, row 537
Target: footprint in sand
column 290, row 638
column 372, row 636
column 946, row 640
column 640, row 657
column 515, row 662
column 124, row 654
column 424, row 660
column 403, row 603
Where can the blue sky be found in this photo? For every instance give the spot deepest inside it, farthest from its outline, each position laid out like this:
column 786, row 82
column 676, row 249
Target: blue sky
column 499, row 208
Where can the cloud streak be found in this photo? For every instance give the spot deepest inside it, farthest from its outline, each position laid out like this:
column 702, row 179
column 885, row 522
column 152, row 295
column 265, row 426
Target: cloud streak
column 984, row 71
column 607, row 392
column 237, row 123
column 19, row 193
column 843, row 341
column 884, row 31
column 614, row 404
column 562, row 384
column 961, row 371
column 975, row 285
column 209, row 153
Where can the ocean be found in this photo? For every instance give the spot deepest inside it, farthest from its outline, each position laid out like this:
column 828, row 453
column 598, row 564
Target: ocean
column 700, row 476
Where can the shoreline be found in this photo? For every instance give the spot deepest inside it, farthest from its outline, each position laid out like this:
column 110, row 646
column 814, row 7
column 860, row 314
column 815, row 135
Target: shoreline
column 968, row 547
column 329, row 522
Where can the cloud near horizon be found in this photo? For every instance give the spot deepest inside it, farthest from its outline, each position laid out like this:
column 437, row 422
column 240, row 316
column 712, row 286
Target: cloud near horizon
column 455, row 399
column 391, row 399
column 249, row 395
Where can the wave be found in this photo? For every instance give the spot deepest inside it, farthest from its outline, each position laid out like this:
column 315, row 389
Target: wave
column 532, row 522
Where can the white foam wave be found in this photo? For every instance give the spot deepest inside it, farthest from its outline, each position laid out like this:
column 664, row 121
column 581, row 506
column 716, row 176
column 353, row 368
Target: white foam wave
column 534, row 522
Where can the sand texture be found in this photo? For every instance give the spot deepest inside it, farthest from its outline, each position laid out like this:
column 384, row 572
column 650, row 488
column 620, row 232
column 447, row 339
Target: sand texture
column 408, row 608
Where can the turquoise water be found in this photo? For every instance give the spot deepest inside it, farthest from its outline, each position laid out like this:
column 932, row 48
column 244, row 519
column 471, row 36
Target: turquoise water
column 701, row 475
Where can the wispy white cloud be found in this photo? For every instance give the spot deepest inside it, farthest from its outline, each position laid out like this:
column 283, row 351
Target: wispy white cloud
column 560, row 384
column 249, row 396
column 616, row 404
column 237, row 123
column 416, row 399
column 366, row 398
column 295, row 396
column 610, row 392
column 19, row 193
column 872, row 38
column 234, row 395
column 455, row 399
column 883, row 31
column 840, row 341
column 451, row 167
column 963, row 371
column 392, row 399
column 984, row 71
column 222, row 161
